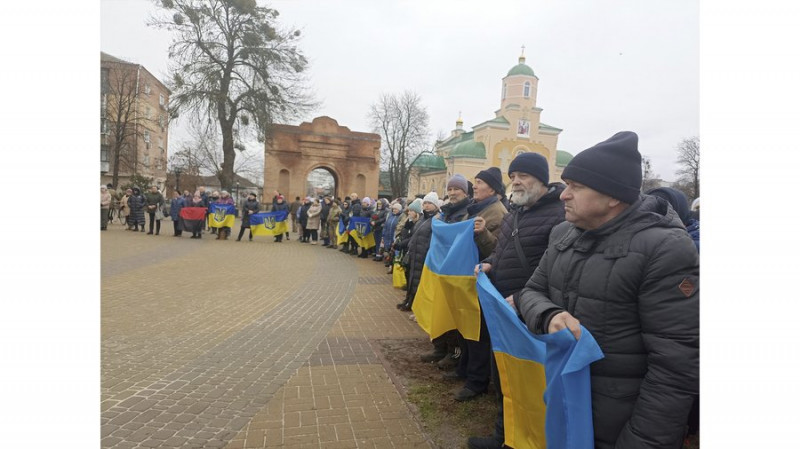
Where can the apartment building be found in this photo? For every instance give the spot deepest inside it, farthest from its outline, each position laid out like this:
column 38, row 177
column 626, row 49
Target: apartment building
column 134, row 123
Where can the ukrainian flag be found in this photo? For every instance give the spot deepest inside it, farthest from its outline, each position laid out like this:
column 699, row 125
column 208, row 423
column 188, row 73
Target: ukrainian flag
column 361, row 231
column 447, row 297
column 341, row 232
column 221, row 215
column 269, row 223
column 547, row 401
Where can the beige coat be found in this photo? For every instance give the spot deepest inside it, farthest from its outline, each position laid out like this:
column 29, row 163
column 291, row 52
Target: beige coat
column 313, row 216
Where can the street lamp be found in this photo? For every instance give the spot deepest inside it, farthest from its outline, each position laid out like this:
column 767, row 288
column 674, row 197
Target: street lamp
column 238, row 202
column 178, row 179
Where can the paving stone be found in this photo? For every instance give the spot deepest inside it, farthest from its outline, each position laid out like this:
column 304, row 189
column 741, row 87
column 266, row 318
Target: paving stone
column 195, row 370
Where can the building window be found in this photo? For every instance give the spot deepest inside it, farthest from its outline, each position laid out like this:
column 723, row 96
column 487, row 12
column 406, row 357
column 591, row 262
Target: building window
column 526, row 91
column 146, row 161
column 146, row 138
column 103, row 153
column 147, row 112
column 162, row 122
column 161, row 101
column 103, row 105
column 161, row 144
column 147, row 88
column 104, row 82
column 504, row 91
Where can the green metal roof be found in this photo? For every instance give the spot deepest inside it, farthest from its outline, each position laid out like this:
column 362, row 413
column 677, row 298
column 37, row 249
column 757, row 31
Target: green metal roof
column 563, row 158
column 545, row 126
column 497, row 121
column 456, row 139
column 428, row 161
column 469, row 149
column 521, row 69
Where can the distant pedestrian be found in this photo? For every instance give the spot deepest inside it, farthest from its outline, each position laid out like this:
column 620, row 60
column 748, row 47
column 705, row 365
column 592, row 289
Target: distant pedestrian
column 105, row 205
column 175, row 206
column 154, row 201
column 251, row 207
column 136, row 203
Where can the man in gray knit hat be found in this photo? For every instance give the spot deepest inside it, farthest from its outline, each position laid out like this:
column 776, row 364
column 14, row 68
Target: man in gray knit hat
column 624, row 268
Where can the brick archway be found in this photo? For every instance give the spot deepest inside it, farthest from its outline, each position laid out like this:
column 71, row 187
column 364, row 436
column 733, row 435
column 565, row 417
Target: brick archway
column 292, row 152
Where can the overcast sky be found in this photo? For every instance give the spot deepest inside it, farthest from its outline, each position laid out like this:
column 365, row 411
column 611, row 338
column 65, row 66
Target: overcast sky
column 603, row 66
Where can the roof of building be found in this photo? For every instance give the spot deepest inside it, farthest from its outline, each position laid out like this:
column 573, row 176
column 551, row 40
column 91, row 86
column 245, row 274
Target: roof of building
column 429, row 162
column 212, row 180
column 563, row 158
column 495, row 121
column 469, row 148
column 521, row 69
column 546, row 126
column 456, row 139
column 108, row 57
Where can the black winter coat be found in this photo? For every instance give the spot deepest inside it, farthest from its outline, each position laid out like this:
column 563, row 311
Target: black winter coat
column 303, row 219
column 633, row 283
column 417, row 251
column 250, row 207
column 508, row 273
column 136, row 203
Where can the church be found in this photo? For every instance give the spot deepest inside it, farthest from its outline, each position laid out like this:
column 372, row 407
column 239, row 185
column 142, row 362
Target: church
column 516, row 128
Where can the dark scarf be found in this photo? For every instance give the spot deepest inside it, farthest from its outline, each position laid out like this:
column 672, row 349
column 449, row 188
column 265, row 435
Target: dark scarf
column 476, row 208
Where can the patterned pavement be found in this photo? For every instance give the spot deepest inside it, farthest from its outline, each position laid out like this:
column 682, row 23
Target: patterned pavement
column 225, row 344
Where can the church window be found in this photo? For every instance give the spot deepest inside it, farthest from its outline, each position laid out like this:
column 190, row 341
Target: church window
column 527, row 89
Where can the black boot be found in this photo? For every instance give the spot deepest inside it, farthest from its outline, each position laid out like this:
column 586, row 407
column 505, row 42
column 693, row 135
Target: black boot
column 491, row 442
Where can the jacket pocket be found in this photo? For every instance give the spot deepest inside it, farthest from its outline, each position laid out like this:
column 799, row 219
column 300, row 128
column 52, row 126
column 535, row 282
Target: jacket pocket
column 616, row 387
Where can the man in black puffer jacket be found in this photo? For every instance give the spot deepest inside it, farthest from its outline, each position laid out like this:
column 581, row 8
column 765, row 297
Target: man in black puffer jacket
column 537, row 208
column 624, row 267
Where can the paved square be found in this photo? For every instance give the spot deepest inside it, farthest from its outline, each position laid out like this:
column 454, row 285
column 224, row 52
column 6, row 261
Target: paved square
column 229, row 344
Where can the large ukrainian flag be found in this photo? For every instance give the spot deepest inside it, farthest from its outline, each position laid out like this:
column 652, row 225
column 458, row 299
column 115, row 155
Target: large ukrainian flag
column 362, row 232
column 269, row 223
column 221, row 215
column 547, row 401
column 341, row 232
column 447, row 297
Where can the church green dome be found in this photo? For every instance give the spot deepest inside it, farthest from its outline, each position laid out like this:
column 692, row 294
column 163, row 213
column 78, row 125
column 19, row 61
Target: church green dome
column 521, row 69
column 469, row 148
column 429, row 161
column 563, row 158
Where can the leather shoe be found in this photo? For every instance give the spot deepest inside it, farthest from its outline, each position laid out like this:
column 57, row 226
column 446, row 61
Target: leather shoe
column 431, row 357
column 465, row 394
column 484, row 443
column 447, row 362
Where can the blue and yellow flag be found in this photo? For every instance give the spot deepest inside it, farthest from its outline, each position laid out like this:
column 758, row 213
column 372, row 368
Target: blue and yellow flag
column 361, row 231
column 547, row 401
column 221, row 215
column 341, row 232
column 447, row 297
column 269, row 223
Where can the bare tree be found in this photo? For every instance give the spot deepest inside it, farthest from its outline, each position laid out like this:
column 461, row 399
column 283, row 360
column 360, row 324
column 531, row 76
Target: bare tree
column 649, row 177
column 233, row 66
column 201, row 154
column 402, row 123
column 119, row 118
column 689, row 161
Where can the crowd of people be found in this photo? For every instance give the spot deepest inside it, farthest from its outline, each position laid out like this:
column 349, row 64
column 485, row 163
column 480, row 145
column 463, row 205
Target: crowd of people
column 593, row 251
